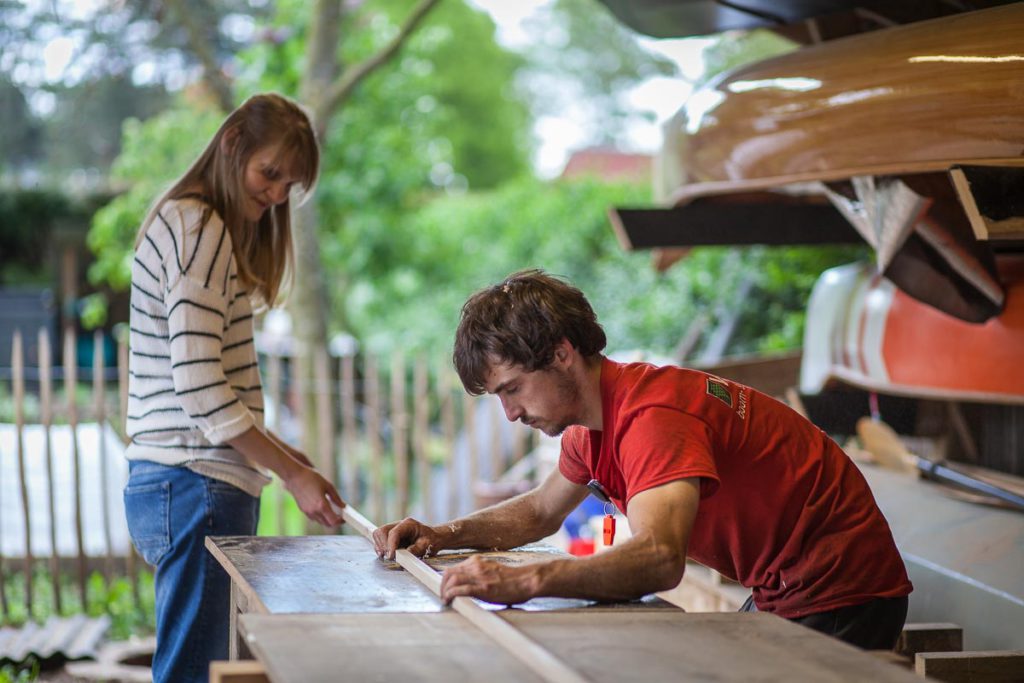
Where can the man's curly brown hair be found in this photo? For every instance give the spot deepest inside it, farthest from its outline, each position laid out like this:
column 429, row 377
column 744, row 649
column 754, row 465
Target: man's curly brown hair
column 520, row 321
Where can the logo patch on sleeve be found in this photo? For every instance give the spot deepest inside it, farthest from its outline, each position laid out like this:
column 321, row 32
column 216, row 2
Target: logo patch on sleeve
column 719, row 390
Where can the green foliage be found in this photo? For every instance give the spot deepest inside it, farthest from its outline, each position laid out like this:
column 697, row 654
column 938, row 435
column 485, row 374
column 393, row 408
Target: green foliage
column 85, row 128
column 410, row 296
column 154, row 154
column 21, row 134
column 29, row 220
column 24, row 673
column 443, row 112
column 582, row 58
column 115, row 599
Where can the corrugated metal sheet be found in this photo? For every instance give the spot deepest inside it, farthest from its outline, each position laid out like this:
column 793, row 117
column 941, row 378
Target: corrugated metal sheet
column 75, row 637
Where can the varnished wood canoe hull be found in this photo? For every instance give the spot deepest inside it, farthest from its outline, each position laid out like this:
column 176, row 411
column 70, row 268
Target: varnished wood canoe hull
column 914, row 98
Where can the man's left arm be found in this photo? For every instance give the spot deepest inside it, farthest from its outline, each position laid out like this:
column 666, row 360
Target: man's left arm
column 652, row 560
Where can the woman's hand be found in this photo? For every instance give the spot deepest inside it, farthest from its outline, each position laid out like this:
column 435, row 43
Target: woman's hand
column 315, row 496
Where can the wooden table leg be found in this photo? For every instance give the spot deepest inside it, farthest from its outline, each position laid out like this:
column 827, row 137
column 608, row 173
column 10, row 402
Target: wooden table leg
column 237, row 649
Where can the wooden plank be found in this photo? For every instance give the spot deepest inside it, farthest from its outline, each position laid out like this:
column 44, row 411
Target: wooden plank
column 991, row 198
column 539, row 660
column 18, row 379
column 238, row 605
column 724, row 221
column 678, row 646
column 980, row 666
column 46, row 419
column 602, row 647
column 243, row 671
column 411, row 648
column 930, row 637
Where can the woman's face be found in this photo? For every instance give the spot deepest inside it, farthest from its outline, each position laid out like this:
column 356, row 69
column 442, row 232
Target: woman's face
column 267, row 182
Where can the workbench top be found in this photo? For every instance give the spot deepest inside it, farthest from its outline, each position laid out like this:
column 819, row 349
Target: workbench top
column 609, row 646
column 342, row 574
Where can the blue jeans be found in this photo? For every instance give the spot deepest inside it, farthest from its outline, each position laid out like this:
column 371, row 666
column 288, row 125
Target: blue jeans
column 170, row 512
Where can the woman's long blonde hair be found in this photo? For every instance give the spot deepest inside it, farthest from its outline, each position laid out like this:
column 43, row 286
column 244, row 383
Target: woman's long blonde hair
column 263, row 252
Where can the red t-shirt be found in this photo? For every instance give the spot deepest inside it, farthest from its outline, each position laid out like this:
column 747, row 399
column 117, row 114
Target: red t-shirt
column 783, row 510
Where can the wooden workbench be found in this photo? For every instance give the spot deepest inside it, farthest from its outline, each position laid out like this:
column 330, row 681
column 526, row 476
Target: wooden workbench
column 602, row 646
column 342, row 575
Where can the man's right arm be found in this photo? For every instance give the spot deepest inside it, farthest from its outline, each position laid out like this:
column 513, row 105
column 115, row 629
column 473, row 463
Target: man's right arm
column 524, row 519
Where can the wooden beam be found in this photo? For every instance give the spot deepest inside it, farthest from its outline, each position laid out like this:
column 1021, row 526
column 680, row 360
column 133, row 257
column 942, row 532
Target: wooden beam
column 247, row 671
column 993, row 199
column 992, row 666
column 938, row 637
column 530, row 653
column 718, row 222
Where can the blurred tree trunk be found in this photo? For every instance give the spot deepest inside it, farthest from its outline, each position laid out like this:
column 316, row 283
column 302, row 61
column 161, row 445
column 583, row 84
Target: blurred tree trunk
column 325, row 87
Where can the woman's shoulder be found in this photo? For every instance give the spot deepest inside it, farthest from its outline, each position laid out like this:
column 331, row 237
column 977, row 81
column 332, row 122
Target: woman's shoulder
column 189, row 213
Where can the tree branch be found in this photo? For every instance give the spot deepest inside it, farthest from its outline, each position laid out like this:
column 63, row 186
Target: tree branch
column 212, row 74
column 342, row 88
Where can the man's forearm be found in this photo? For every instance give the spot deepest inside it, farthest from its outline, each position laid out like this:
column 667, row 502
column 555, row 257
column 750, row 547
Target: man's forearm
column 631, row 570
column 509, row 524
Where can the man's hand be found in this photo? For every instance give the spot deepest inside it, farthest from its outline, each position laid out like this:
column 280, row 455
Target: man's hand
column 315, row 496
column 419, row 538
column 490, row 581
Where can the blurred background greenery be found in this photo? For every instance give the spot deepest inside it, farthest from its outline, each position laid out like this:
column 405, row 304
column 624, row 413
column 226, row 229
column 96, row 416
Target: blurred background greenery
column 431, row 133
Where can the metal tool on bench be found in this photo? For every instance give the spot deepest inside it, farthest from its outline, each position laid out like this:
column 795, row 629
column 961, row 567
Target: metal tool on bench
column 883, row 443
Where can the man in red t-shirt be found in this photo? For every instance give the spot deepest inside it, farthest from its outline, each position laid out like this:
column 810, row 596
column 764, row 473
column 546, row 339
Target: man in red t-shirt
column 701, row 467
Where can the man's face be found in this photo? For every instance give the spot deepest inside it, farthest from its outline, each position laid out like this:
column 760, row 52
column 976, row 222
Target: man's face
column 546, row 399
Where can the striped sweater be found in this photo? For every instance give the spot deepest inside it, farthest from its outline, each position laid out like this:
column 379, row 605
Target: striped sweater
column 193, row 377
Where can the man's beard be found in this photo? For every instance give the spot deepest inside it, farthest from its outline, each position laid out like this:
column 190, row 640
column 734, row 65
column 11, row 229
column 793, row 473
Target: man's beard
column 568, row 395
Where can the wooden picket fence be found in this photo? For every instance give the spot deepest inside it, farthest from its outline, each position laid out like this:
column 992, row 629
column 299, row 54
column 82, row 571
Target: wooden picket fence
column 397, row 435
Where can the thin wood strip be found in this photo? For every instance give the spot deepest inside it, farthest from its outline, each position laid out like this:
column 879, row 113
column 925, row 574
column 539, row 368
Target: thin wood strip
column 529, row 652
column 421, row 433
column 70, row 386
column 400, row 433
column 373, row 435
column 46, row 419
column 100, row 414
column 18, row 366
column 349, row 434
column 448, row 432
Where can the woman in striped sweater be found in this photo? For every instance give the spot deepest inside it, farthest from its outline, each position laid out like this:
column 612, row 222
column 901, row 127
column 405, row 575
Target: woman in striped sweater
column 214, row 246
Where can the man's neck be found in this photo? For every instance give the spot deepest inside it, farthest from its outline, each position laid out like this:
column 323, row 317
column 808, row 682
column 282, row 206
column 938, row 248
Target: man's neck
column 590, row 394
